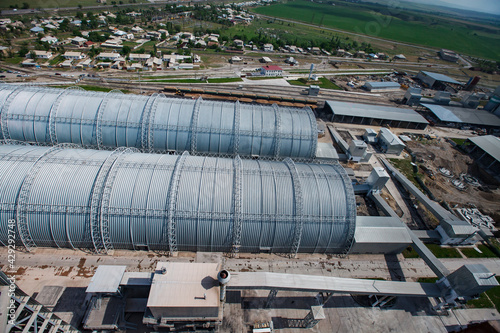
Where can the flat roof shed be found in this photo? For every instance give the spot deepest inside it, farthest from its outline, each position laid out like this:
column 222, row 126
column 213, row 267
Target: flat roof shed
column 382, row 86
column 185, row 292
column 458, row 115
column 106, row 279
column 486, row 151
column 374, row 115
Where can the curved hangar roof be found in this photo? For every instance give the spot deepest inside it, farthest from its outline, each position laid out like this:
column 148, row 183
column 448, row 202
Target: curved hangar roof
column 99, row 199
column 155, row 123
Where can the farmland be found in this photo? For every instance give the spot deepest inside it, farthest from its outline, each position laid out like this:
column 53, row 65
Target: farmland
column 415, row 28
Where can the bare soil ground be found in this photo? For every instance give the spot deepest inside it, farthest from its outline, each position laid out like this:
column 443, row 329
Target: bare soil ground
column 439, row 153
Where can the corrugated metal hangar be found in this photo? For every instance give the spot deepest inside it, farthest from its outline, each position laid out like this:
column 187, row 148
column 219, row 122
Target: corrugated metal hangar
column 155, row 123
column 375, row 115
column 462, row 116
column 102, row 200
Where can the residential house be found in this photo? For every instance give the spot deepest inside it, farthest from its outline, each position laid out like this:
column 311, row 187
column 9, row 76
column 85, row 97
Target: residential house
column 137, row 30
column 49, row 39
column 108, row 56
column 78, row 41
column 73, row 55
column 238, row 43
column 271, row 71
column 40, row 54
column 139, row 57
column 268, row 48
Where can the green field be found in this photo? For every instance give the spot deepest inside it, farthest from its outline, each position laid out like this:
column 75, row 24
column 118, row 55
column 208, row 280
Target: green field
column 323, row 83
column 416, row 28
column 225, row 80
column 34, row 4
column 443, row 252
column 472, row 253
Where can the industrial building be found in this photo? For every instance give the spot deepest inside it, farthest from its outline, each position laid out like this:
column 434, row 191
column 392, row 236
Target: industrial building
column 375, row 115
column 382, row 86
column 486, row 151
column 458, row 117
column 448, row 55
column 437, row 81
column 389, row 142
column 370, row 136
column 103, row 200
column 380, row 234
column 155, row 123
column 412, row 96
column 494, row 102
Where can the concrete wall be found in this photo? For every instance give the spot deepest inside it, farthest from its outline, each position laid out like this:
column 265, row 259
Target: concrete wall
column 185, row 313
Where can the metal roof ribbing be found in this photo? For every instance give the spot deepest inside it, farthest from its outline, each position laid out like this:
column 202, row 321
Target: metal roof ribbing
column 90, row 199
column 377, row 84
column 390, row 137
column 441, row 77
column 462, row 115
column 375, row 111
column 488, row 143
column 155, row 123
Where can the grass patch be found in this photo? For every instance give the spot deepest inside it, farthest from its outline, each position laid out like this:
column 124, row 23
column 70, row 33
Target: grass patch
column 56, row 60
column 427, row 279
column 90, row 88
column 458, row 141
column 14, row 60
column 178, row 81
column 409, row 252
column 262, row 78
column 225, row 80
column 443, row 252
column 214, row 80
column 489, row 299
column 322, row 82
column 494, row 295
column 481, row 302
column 473, row 253
column 404, row 166
column 405, row 26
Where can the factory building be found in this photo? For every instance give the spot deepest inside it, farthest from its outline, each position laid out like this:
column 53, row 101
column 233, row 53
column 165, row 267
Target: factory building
column 412, row 96
column 437, row 81
column 382, row 86
column 370, row 136
column 374, row 115
column 103, row 200
column 155, row 123
column 457, row 116
column 389, row 142
column 486, row 151
column 380, row 235
column 448, row 55
column 494, row 102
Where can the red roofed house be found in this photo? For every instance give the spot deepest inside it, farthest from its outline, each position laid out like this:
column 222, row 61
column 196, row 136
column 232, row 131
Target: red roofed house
column 88, row 43
column 271, row 71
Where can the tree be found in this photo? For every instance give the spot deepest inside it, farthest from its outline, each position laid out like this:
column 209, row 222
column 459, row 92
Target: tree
column 125, row 50
column 26, row 5
column 23, row 51
column 79, row 6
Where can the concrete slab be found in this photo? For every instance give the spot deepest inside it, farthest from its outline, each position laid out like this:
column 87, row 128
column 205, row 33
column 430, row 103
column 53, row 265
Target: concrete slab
column 49, row 295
